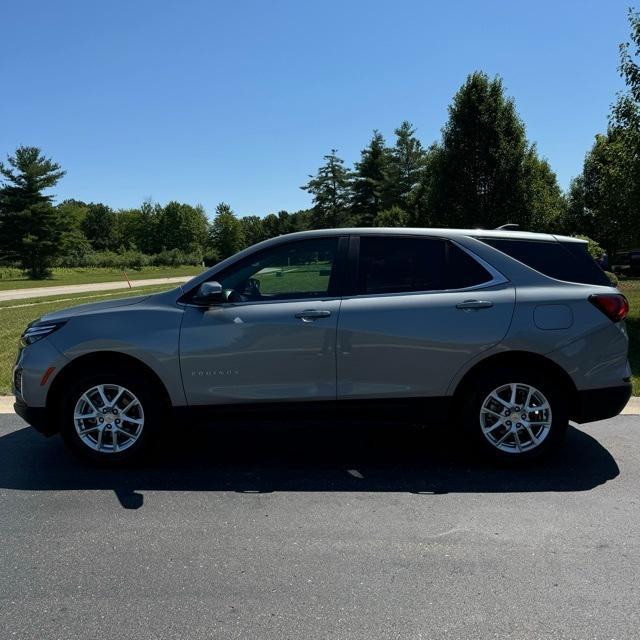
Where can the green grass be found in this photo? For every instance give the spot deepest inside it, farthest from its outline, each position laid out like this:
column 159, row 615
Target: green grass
column 305, row 278
column 631, row 289
column 16, row 314
column 90, row 275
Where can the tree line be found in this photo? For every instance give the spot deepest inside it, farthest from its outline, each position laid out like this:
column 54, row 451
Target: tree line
column 482, row 172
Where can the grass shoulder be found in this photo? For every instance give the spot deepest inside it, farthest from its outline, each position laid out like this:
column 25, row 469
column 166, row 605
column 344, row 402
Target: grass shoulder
column 631, row 289
column 14, row 279
column 16, row 314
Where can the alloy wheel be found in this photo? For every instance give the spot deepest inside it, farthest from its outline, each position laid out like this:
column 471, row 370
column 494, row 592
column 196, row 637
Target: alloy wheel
column 515, row 418
column 108, row 418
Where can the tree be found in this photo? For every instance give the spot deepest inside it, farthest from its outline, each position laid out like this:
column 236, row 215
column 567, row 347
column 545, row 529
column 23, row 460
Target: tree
column 544, row 201
column 99, row 226
column 225, row 233
column 609, row 193
column 393, row 217
column 129, row 230
column 485, row 171
column 330, row 189
column 30, row 227
column 577, row 218
column 181, row 226
column 368, row 183
column 604, row 201
column 147, row 236
column 253, row 230
column 74, row 246
column 405, row 168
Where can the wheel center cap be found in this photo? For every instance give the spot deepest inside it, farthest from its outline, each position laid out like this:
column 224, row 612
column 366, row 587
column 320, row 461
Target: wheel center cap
column 109, row 418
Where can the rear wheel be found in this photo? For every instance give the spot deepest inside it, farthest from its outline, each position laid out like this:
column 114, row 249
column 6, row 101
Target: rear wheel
column 516, row 415
column 109, row 417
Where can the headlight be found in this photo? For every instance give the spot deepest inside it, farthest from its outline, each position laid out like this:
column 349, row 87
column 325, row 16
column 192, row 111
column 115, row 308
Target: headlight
column 36, row 331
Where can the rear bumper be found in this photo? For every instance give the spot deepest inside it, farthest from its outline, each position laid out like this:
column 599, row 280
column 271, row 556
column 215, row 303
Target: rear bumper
column 599, row 404
column 37, row 417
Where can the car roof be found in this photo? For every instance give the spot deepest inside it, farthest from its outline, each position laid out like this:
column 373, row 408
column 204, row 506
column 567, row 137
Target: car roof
column 448, row 233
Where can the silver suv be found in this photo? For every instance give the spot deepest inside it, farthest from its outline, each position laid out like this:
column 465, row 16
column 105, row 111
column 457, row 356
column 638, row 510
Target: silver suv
column 504, row 335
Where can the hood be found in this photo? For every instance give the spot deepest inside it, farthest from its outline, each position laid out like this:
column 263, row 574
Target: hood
column 84, row 309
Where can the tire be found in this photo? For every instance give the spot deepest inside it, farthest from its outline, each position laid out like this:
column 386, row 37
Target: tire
column 510, row 431
column 132, row 415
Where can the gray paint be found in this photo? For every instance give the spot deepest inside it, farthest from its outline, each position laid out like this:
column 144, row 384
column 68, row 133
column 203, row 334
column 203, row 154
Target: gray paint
column 553, row 316
column 398, row 345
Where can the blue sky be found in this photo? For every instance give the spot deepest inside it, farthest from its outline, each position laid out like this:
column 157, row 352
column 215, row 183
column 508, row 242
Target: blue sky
column 238, row 101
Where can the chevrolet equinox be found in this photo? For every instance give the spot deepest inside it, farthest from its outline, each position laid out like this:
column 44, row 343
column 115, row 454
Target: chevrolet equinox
column 504, row 335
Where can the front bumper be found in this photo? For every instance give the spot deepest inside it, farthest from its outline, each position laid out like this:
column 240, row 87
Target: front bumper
column 599, row 404
column 37, row 417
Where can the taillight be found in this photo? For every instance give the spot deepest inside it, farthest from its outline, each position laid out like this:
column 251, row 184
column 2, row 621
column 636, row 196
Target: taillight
column 614, row 305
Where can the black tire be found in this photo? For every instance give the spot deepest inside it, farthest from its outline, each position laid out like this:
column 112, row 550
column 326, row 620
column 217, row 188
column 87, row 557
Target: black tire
column 483, row 385
column 150, row 399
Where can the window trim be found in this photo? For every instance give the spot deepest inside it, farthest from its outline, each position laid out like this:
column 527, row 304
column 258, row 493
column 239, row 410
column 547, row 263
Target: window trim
column 340, row 276
column 497, row 278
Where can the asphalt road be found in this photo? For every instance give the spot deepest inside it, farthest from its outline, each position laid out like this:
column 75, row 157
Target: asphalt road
column 336, row 532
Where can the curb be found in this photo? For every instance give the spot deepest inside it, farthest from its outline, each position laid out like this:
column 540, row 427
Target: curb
column 6, row 404
column 632, row 408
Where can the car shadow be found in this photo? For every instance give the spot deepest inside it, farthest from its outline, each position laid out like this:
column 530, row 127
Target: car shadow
column 263, row 458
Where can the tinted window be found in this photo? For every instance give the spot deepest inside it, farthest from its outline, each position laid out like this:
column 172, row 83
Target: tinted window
column 403, row 264
column 463, row 270
column 564, row 261
column 295, row 270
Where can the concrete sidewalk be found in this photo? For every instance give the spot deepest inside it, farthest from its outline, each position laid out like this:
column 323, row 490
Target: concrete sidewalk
column 632, row 408
column 41, row 292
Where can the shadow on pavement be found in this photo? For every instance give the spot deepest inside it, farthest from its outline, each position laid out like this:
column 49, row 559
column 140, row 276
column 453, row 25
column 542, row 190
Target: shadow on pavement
column 263, row 458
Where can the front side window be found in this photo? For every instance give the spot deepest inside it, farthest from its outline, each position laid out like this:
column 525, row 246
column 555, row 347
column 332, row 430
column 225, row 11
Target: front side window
column 296, row 270
column 406, row 264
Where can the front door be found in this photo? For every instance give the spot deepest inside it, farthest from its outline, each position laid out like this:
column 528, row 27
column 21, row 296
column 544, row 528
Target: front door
column 273, row 338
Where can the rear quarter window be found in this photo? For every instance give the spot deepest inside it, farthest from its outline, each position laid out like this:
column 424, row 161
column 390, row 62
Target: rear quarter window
column 569, row 261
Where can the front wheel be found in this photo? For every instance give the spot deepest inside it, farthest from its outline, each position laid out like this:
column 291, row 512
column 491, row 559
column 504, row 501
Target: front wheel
column 109, row 418
column 516, row 415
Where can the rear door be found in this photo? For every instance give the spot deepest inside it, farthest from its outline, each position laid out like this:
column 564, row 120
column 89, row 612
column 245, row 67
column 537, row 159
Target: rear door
column 421, row 308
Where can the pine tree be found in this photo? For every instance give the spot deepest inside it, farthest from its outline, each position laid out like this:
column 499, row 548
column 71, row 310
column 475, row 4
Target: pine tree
column 30, row 227
column 225, row 234
column 330, row 189
column 405, row 168
column 369, row 181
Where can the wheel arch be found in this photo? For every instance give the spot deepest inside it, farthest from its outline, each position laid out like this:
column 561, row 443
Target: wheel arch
column 519, row 359
column 104, row 359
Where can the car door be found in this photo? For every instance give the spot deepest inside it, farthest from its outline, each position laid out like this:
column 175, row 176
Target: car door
column 421, row 307
column 273, row 336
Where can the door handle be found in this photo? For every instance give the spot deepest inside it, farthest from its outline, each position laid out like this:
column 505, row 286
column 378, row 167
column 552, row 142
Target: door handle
column 309, row 315
column 475, row 304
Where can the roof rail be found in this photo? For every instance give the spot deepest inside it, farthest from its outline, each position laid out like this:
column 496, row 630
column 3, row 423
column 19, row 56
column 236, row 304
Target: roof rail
column 510, row 226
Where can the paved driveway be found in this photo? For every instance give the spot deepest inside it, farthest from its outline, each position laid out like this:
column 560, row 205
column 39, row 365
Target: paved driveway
column 334, row 532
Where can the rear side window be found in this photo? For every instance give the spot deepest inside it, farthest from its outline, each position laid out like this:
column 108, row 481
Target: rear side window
column 463, row 270
column 569, row 261
column 406, row 264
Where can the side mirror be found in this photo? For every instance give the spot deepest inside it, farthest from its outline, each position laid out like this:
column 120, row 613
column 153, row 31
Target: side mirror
column 209, row 293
